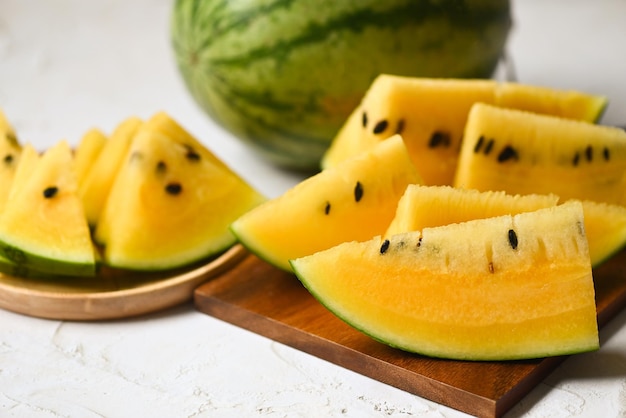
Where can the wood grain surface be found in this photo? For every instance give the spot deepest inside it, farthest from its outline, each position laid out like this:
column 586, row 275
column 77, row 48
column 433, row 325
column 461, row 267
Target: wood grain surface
column 260, row 298
column 111, row 294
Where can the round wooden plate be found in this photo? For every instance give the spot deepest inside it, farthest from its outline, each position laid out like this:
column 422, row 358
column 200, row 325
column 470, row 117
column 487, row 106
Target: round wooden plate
column 109, row 296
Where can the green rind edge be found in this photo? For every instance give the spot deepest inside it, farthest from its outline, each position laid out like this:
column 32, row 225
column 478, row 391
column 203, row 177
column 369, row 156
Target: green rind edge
column 214, row 252
column 9, row 268
column 29, row 261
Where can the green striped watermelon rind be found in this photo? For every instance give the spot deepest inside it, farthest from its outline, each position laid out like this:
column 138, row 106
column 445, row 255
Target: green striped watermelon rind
column 284, row 75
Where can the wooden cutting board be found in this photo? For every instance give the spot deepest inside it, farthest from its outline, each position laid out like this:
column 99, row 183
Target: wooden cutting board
column 260, row 298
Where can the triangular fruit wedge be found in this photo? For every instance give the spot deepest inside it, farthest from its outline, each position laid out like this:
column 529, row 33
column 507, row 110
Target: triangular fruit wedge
column 97, row 182
column 501, row 288
column 170, row 206
column 355, row 200
column 162, row 122
column 43, row 226
column 87, row 152
column 29, row 159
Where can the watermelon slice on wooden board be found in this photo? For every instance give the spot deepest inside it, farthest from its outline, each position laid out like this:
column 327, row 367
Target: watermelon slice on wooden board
column 353, row 201
column 431, row 114
column 427, row 206
column 292, row 316
column 501, row 288
column 522, row 152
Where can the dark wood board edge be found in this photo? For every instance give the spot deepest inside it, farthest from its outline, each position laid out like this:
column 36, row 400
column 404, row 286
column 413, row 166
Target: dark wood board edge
column 348, row 358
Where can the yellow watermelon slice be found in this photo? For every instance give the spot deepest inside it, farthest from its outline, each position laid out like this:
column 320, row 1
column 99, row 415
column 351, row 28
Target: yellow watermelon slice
column 523, row 152
column 97, row 182
column 355, row 200
column 170, row 205
column 43, row 225
column 501, row 288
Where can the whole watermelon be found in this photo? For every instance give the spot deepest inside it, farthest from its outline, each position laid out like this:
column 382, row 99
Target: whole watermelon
column 283, row 75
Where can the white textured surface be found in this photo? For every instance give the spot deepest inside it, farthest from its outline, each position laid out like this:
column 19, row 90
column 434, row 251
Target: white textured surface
column 67, row 65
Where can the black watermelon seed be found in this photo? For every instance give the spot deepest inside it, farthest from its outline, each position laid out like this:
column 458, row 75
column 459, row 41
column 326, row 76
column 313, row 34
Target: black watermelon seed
column 400, row 127
column 173, row 188
column 491, row 268
column 364, row 119
column 192, row 155
column 358, row 191
column 161, row 167
column 8, row 159
column 419, row 242
column 50, row 192
column 576, row 159
column 589, row 153
column 489, row 147
column 327, row 208
column 606, row 153
column 479, row 144
column 439, row 139
column 513, row 239
column 508, row 153
column 384, row 247
column 11, row 138
column 581, row 228
column 381, row 126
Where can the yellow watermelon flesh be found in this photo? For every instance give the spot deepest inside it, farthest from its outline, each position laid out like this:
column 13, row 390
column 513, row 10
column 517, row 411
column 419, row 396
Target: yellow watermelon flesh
column 162, row 122
column 169, row 206
column 29, row 159
column 431, row 114
column 25, row 166
column 43, row 226
column 605, row 226
column 502, row 288
column 569, row 104
column 522, row 152
column 87, row 152
column 428, row 206
column 96, row 184
column 10, row 150
column 355, row 200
